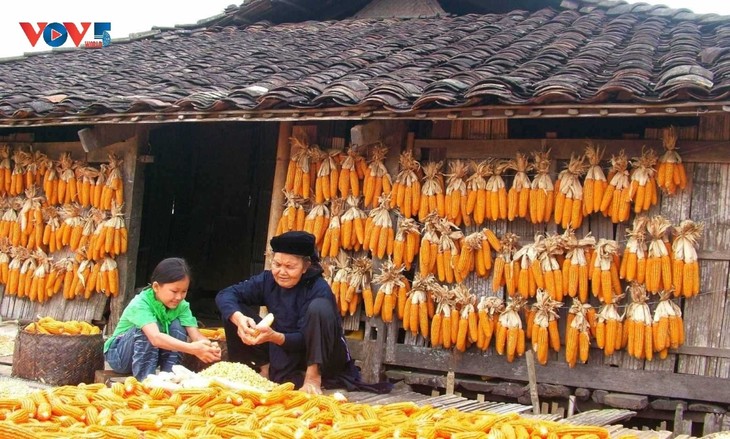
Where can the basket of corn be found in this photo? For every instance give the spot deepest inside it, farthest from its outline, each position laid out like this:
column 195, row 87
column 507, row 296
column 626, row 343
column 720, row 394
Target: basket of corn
column 58, row 352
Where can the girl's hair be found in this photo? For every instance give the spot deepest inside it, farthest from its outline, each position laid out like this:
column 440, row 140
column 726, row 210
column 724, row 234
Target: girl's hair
column 170, row 270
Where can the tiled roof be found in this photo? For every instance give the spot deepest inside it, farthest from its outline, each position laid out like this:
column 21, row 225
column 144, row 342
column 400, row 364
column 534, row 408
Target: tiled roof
column 517, row 58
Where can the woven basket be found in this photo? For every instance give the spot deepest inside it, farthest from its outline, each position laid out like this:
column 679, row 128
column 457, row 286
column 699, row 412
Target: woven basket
column 58, row 359
column 193, row 363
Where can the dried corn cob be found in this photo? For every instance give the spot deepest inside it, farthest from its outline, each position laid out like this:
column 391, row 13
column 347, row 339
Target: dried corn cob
column 407, row 186
column 545, row 326
column 476, row 193
column 456, row 195
column 671, row 174
column 668, row 327
column 542, row 194
column 328, row 175
column 605, row 282
column 609, row 328
column 638, row 324
column 407, row 242
column 519, row 194
column 595, row 183
column 685, row 266
column 643, row 192
column 332, row 241
column 5, row 170
column 569, row 194
column 432, row 191
column 509, row 330
column 575, row 267
column 377, row 180
column 658, row 263
column 293, row 217
column 379, row 231
column 633, row 262
column 488, row 311
column 497, row 193
column 353, row 170
column 616, row 201
column 352, row 226
column 389, row 281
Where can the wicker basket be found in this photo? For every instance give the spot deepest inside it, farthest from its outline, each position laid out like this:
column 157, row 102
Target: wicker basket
column 193, row 363
column 58, row 359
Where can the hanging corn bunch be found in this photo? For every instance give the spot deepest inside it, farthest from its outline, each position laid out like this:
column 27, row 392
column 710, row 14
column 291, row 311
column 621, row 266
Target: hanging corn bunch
column 293, row 217
column 577, row 334
column 518, row 197
column 449, row 246
column 339, row 282
column 616, row 201
column 67, row 180
column 609, row 328
column 467, row 329
column 5, row 255
column 353, row 225
column 316, row 222
column 550, row 249
column 685, row 266
column 429, row 245
column 633, row 262
column 108, row 278
column 658, row 263
column 332, row 241
column 37, row 168
column 671, row 174
column 407, row 187
column 668, row 326
column 50, row 184
column 525, row 257
column 98, row 188
column 542, row 194
column 5, row 170
column 298, row 175
column 86, row 177
column 18, row 257
column 595, row 184
column 605, row 282
column 544, row 327
column 68, row 267
column 18, row 183
column 31, row 220
column 569, row 194
column 644, row 190
column 497, row 204
column 352, row 171
column 488, row 311
column 506, row 270
column 359, row 287
column 416, row 313
column 109, row 236
column 39, row 288
column 510, row 335
column 442, row 322
column 407, row 242
column 93, row 235
column 25, row 279
column 638, row 324
column 377, row 180
column 379, row 232
column 113, row 190
column 391, row 287
column 476, row 192
column 432, row 191
column 328, row 176
column 575, row 267
column 470, row 257
column 10, row 224
column 456, row 197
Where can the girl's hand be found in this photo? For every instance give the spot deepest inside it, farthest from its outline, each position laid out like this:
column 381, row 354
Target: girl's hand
column 206, row 351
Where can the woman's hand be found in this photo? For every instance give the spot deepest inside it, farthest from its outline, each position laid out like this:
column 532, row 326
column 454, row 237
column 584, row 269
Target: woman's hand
column 206, row 351
column 267, row 335
column 246, row 328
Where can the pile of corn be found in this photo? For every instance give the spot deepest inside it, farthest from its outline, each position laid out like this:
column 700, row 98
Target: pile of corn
column 130, row 410
column 238, row 373
column 214, row 333
column 49, row 325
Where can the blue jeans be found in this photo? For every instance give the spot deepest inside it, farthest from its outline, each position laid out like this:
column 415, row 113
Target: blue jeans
column 132, row 352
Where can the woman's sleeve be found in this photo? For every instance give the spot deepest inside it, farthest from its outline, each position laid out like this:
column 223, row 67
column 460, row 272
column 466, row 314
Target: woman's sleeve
column 249, row 292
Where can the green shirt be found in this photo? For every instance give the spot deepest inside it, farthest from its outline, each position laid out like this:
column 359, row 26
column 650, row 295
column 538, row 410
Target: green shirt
column 145, row 309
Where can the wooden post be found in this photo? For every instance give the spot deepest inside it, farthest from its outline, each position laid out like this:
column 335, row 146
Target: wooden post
column 532, row 377
column 277, row 196
column 133, row 196
column 450, row 382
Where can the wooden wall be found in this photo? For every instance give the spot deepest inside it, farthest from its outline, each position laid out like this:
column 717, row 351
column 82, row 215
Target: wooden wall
column 705, row 145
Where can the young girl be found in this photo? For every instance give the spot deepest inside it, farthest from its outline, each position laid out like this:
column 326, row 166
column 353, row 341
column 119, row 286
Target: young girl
column 155, row 326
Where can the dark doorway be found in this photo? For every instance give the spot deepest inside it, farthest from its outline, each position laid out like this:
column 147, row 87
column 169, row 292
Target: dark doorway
column 207, row 199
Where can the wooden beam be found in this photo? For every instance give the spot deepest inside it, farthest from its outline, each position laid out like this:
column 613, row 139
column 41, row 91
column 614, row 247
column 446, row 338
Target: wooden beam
column 702, row 351
column 277, row 196
column 594, row 377
column 707, row 151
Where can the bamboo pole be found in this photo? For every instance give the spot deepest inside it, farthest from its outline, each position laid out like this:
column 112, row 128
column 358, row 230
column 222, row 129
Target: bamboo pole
column 277, row 195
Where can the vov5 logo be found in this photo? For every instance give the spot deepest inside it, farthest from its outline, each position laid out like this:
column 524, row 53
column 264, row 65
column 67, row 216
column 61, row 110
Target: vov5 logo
column 56, row 34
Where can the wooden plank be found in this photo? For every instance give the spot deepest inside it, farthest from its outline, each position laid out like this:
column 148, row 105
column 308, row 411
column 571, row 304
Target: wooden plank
column 705, row 151
column 588, row 376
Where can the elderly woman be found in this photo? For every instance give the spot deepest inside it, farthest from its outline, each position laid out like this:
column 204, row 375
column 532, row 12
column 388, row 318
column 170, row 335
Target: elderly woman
column 306, row 344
